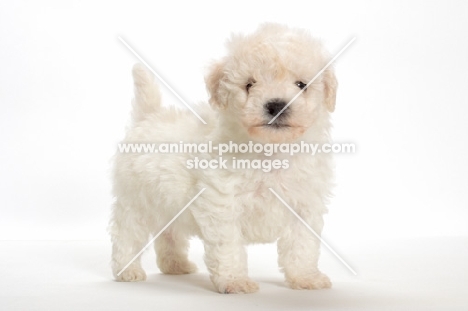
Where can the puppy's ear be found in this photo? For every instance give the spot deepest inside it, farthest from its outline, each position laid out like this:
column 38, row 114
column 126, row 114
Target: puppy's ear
column 330, row 86
column 213, row 81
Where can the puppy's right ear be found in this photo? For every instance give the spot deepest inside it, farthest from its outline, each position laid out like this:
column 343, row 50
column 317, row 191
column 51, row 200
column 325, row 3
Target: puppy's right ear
column 214, row 80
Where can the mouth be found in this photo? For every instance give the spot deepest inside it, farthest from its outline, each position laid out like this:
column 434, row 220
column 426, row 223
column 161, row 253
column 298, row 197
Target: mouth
column 275, row 125
column 276, row 132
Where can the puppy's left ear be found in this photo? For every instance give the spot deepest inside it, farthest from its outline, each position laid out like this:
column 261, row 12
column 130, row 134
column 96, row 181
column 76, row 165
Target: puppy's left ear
column 213, row 81
column 330, row 86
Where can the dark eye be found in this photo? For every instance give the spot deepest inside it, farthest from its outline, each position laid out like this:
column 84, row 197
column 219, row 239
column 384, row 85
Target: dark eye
column 249, row 85
column 300, row 84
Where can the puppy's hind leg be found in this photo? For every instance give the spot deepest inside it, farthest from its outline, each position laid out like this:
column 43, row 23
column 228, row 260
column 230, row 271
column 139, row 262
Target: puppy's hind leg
column 172, row 253
column 128, row 239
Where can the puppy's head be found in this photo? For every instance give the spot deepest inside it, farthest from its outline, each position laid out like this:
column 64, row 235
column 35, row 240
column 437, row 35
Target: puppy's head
column 262, row 73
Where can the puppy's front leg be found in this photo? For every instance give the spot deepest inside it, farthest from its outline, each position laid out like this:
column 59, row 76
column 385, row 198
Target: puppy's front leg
column 298, row 255
column 225, row 254
column 227, row 263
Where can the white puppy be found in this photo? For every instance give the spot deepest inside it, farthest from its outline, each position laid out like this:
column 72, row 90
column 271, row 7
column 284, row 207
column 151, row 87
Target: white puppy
column 260, row 75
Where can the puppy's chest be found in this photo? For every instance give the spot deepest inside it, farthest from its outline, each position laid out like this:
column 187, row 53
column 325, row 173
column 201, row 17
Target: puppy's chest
column 263, row 216
column 255, row 187
column 257, row 201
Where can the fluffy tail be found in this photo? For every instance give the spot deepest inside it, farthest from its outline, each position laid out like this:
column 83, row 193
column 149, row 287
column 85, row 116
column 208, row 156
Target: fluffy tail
column 147, row 97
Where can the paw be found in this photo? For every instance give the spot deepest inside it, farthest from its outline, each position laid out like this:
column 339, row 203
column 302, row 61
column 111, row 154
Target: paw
column 176, row 266
column 237, row 286
column 131, row 275
column 318, row 281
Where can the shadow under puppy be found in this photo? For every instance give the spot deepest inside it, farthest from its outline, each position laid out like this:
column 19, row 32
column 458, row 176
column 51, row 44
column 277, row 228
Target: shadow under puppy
column 259, row 75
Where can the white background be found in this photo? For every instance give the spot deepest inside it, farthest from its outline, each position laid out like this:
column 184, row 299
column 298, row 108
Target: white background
column 65, row 91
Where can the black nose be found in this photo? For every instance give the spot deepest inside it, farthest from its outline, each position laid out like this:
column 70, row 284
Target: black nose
column 274, row 106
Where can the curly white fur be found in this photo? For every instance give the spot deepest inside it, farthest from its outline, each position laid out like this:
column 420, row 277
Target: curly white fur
column 237, row 208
